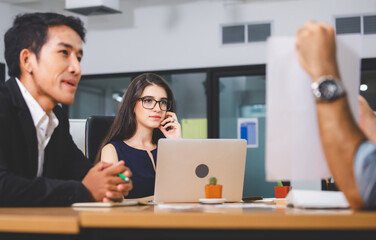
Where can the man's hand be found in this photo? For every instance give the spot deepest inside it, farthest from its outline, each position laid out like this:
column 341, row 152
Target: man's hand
column 104, row 184
column 316, row 49
column 123, row 187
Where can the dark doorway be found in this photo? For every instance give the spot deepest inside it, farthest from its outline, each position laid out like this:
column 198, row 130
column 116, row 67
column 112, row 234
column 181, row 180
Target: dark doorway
column 2, row 72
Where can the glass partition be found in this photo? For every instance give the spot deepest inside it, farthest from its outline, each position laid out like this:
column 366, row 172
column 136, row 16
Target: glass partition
column 368, row 87
column 98, row 97
column 242, row 100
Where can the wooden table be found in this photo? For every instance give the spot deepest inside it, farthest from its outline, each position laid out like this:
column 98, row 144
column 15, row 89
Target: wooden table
column 181, row 222
column 211, row 222
column 38, row 223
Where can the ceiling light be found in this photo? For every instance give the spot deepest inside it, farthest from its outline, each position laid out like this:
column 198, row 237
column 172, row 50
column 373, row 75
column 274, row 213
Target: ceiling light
column 363, row 87
column 92, row 7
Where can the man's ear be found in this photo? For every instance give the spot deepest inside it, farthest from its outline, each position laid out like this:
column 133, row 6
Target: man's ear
column 26, row 58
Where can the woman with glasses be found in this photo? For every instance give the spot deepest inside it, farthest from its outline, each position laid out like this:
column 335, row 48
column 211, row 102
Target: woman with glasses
column 145, row 115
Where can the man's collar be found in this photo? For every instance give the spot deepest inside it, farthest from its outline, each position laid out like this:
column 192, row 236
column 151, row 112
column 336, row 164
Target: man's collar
column 35, row 109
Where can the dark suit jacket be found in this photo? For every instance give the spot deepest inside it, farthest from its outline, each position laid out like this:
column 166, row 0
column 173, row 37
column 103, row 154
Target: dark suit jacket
column 64, row 164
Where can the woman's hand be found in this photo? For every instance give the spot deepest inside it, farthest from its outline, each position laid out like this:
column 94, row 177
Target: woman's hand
column 171, row 122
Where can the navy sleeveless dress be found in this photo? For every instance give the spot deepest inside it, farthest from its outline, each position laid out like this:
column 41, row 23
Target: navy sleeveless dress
column 139, row 162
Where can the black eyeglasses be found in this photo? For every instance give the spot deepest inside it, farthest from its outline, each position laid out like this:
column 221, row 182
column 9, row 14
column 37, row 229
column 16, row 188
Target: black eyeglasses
column 149, row 103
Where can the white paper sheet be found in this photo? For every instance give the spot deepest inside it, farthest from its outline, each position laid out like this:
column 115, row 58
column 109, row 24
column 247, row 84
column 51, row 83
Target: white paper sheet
column 293, row 147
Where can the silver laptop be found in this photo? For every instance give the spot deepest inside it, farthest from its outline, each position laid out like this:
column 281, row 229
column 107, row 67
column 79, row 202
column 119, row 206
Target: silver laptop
column 184, row 167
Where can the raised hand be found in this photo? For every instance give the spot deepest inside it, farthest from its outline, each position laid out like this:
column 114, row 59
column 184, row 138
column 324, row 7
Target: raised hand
column 316, row 50
column 172, row 124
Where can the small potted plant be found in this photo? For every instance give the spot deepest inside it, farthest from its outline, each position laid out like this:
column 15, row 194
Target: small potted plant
column 281, row 191
column 213, row 190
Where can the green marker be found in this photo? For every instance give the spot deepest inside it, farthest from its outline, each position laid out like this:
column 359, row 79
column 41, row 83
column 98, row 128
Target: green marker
column 123, row 177
column 279, row 183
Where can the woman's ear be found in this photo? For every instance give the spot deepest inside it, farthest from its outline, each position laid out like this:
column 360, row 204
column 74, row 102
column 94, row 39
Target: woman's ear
column 26, row 59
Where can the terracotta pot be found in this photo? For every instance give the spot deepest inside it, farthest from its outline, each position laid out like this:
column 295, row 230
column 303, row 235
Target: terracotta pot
column 213, row 191
column 281, row 191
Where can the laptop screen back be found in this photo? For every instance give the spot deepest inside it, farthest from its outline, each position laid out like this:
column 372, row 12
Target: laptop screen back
column 184, row 167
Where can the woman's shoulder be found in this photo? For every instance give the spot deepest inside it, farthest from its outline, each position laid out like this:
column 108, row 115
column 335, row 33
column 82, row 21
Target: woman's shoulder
column 109, row 154
column 108, row 147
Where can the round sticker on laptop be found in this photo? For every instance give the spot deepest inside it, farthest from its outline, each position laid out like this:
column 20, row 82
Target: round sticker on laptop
column 202, row 171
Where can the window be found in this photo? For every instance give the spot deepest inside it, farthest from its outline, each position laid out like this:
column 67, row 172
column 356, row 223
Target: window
column 258, row 32
column 347, row 25
column 245, row 33
column 233, row 34
column 369, row 24
column 368, row 81
column 356, row 25
column 99, row 96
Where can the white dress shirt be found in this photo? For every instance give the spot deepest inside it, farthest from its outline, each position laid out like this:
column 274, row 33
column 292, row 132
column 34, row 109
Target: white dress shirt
column 44, row 123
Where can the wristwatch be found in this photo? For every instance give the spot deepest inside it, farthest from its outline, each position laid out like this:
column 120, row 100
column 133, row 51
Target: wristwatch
column 328, row 89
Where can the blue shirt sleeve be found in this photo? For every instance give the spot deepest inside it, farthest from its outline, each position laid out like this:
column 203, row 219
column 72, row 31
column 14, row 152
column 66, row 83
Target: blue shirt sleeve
column 365, row 173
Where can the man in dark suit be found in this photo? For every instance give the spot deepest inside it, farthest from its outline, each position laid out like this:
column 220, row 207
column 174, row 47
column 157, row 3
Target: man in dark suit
column 39, row 162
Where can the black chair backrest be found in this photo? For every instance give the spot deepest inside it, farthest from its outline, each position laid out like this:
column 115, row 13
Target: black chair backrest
column 96, row 130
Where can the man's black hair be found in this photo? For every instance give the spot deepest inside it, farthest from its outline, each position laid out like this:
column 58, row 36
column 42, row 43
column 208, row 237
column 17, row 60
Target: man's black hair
column 29, row 31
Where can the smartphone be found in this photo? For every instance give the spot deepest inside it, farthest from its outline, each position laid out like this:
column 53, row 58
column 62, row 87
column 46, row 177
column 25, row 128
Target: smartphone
column 167, row 129
column 251, row 199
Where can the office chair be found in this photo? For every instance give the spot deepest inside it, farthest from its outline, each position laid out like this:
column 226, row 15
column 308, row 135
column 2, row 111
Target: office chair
column 96, row 129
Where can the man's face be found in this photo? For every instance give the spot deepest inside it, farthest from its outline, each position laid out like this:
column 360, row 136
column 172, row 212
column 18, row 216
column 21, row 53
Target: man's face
column 57, row 71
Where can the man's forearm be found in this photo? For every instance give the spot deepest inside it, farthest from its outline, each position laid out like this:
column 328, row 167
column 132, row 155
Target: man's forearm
column 340, row 138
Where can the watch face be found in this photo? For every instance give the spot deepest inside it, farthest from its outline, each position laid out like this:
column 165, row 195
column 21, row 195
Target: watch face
column 328, row 89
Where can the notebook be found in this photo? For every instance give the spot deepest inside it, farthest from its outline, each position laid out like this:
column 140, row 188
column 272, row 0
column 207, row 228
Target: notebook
column 106, row 204
column 124, row 203
column 184, row 167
